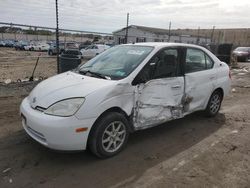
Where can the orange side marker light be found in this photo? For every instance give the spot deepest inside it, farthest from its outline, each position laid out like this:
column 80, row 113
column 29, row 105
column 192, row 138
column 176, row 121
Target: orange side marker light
column 81, row 129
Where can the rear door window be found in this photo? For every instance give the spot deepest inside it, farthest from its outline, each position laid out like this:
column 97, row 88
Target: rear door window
column 197, row 60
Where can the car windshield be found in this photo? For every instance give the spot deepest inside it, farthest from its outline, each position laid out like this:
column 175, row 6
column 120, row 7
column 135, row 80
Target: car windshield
column 242, row 49
column 117, row 62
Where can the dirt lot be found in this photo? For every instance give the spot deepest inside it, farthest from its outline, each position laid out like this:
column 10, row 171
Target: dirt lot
column 190, row 152
column 20, row 64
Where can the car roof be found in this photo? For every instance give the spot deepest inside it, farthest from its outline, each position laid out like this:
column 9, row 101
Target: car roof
column 164, row 44
column 243, row 47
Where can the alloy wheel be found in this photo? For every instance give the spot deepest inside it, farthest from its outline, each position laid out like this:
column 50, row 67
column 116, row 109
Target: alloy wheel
column 113, row 136
column 215, row 103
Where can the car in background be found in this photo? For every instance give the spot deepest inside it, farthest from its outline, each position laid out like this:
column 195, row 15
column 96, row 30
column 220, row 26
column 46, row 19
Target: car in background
column 41, row 47
column 62, row 47
column 242, row 53
column 2, row 43
column 93, row 50
column 29, row 47
column 9, row 43
column 124, row 89
column 83, row 46
column 71, row 53
column 20, row 45
column 52, row 49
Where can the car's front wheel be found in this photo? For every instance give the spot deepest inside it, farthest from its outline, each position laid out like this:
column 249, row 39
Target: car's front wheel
column 214, row 104
column 109, row 136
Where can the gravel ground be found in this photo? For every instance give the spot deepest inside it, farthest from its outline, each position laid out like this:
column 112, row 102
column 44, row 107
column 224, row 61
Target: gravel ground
column 191, row 152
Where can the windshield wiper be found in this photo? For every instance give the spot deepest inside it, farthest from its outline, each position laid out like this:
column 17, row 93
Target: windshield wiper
column 95, row 73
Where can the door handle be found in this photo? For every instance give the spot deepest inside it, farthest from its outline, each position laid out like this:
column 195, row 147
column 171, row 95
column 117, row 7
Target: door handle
column 176, row 87
column 212, row 77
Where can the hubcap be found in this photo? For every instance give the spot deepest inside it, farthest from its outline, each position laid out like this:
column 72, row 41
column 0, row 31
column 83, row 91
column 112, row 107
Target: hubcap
column 215, row 103
column 114, row 136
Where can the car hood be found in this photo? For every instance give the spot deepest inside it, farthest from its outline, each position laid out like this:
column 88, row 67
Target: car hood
column 63, row 86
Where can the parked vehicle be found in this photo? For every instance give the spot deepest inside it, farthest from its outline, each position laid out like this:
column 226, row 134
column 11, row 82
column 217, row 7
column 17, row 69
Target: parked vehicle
column 41, row 47
column 72, row 53
column 29, row 47
column 62, row 47
column 20, row 45
column 242, row 53
column 94, row 50
column 69, row 59
column 9, row 43
column 126, row 88
column 2, row 43
column 83, row 46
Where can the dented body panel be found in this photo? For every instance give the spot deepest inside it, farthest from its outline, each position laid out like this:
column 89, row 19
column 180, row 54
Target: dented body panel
column 158, row 101
column 198, row 85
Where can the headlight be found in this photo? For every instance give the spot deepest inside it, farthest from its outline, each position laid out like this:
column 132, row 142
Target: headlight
column 67, row 107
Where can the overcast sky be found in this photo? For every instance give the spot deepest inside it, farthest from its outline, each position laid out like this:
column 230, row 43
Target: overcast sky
column 110, row 15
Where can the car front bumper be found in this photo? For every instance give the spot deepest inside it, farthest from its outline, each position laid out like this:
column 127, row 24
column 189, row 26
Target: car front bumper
column 55, row 132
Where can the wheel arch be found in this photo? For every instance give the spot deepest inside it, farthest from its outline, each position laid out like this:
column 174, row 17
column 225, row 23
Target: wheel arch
column 219, row 89
column 112, row 109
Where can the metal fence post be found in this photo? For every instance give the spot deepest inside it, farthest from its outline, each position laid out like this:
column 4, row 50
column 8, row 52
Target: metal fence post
column 57, row 39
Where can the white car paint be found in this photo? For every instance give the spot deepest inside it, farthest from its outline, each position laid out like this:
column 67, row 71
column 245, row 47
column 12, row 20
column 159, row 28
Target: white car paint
column 41, row 47
column 148, row 104
column 93, row 50
column 29, row 47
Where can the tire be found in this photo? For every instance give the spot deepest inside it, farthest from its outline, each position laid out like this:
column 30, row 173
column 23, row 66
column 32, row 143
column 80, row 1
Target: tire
column 214, row 104
column 50, row 52
column 109, row 135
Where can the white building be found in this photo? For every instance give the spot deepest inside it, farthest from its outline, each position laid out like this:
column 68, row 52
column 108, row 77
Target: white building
column 149, row 34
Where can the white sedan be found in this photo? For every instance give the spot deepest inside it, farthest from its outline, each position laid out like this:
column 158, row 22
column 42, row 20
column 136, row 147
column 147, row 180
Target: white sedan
column 124, row 89
column 41, row 47
column 93, row 50
column 29, row 47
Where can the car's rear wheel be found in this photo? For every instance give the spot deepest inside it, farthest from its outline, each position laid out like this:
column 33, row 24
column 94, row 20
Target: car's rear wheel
column 109, row 136
column 50, row 52
column 214, row 104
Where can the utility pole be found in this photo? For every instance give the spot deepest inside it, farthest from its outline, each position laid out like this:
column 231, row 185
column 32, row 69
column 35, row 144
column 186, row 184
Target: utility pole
column 212, row 34
column 198, row 36
column 169, row 31
column 126, row 37
column 57, row 39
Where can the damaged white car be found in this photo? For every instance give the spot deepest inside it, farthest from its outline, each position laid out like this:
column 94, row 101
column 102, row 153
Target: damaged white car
column 124, row 89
